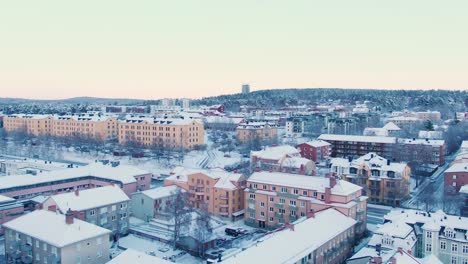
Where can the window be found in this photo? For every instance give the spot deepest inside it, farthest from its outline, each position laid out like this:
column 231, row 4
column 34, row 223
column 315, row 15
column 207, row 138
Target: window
column 453, row 260
column 262, row 214
column 262, row 204
column 465, row 261
column 315, row 194
column 44, row 246
column 272, row 199
column 292, row 202
column 302, row 214
column 54, row 250
column 465, row 249
column 78, row 260
column 123, row 205
column 92, row 212
column 114, row 207
column 429, row 234
column 304, row 193
column 428, row 247
column 282, row 201
column 271, row 209
column 271, row 219
column 293, row 213
column 296, row 191
column 284, row 190
column 38, row 243
column 251, row 215
column 252, row 196
column 78, row 246
column 454, row 247
column 443, row 245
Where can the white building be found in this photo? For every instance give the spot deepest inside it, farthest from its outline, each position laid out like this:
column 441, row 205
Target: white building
column 133, row 256
column 49, row 237
column 325, row 237
column 106, row 206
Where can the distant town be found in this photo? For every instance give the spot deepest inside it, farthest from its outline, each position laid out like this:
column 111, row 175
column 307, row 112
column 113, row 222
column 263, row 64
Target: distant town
column 178, row 181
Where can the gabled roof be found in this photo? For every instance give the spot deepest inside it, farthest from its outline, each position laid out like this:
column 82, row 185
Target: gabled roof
column 275, row 153
column 291, row 244
column 133, row 256
column 89, row 199
column 51, row 228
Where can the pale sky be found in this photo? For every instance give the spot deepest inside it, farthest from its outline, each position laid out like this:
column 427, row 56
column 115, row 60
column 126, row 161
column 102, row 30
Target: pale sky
column 193, row 48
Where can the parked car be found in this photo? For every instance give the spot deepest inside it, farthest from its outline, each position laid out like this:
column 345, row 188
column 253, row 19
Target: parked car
column 231, row 232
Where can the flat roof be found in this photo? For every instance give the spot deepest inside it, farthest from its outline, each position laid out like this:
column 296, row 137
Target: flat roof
column 370, row 139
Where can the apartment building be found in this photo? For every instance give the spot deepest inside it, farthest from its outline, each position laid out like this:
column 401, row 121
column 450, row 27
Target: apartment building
column 48, row 237
column 250, row 131
column 107, row 207
column 164, row 132
column 273, row 199
column 430, row 151
column 218, row 191
column 95, row 126
column 383, row 181
column 90, row 125
column 29, row 166
column 316, row 150
column 37, row 125
column 349, row 145
column 321, row 237
column 456, row 176
column 21, row 187
column 281, row 158
column 405, row 121
column 147, row 204
column 429, row 115
column 437, row 233
column 400, row 149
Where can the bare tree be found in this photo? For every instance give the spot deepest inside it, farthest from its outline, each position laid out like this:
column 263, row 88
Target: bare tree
column 203, row 231
column 178, row 210
column 452, row 201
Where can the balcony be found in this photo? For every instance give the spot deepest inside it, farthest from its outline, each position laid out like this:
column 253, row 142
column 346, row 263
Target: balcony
column 280, row 206
column 279, row 216
column 224, row 213
column 293, row 207
column 222, row 197
column 223, row 205
column 288, row 195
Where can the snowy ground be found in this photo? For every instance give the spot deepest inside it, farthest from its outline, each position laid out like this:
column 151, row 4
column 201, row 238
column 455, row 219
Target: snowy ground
column 156, row 248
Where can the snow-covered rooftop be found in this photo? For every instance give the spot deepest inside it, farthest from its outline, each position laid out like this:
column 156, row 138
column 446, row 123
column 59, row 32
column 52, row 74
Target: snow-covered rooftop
column 121, row 173
column 295, row 162
column 90, row 198
column 390, row 126
column 420, row 141
column 51, row 228
column 304, row 182
column 373, row 160
column 370, row 139
column 133, row 256
column 438, row 218
column 161, row 192
column 291, row 244
column 458, row 167
column 464, row 144
column 317, row 143
column 4, row 199
column 464, row 189
column 276, row 153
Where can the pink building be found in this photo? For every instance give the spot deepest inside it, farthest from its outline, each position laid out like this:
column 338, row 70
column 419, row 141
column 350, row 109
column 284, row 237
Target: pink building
column 218, row 191
column 273, row 199
column 129, row 178
column 316, row 150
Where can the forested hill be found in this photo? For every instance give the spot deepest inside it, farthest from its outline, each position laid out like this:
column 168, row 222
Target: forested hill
column 387, row 99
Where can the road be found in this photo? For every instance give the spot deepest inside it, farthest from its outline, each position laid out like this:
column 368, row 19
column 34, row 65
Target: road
column 433, row 186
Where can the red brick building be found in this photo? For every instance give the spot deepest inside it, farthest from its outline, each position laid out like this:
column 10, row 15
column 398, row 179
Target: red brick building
column 456, row 176
column 316, row 150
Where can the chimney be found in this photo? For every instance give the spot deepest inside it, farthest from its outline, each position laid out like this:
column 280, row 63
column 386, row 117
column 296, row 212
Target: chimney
column 350, row 158
column 77, row 192
column 392, row 260
column 69, row 217
column 52, row 208
column 327, row 195
column 388, row 162
column 332, row 181
column 311, row 214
